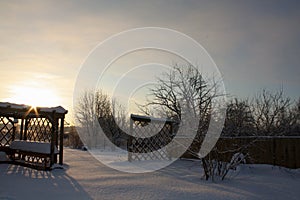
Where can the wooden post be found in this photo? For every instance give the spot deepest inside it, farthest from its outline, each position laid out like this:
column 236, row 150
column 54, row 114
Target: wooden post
column 171, row 134
column 52, row 139
column 25, row 130
column 14, row 131
column 56, row 138
column 22, row 129
column 129, row 141
column 61, row 141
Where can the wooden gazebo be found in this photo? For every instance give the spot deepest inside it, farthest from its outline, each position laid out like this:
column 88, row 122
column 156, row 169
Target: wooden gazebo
column 32, row 136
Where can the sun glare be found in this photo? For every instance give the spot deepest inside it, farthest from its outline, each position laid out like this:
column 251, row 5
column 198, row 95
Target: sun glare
column 34, row 96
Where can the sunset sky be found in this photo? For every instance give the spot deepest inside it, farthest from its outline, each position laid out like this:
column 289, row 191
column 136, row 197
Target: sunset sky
column 255, row 44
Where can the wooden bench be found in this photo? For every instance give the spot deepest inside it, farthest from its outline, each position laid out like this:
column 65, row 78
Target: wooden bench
column 35, row 154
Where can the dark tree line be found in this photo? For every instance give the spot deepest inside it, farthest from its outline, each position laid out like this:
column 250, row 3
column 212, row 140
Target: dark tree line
column 267, row 114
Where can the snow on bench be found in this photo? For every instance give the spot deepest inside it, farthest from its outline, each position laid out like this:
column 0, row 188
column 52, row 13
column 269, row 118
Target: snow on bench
column 31, row 146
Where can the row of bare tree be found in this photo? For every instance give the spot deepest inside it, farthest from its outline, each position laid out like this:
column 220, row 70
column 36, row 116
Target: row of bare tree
column 267, row 114
column 184, row 94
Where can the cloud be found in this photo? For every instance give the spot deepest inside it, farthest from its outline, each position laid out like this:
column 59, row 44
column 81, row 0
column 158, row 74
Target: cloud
column 255, row 43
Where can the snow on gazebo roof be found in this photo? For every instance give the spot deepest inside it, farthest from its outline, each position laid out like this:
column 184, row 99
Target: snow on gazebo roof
column 149, row 119
column 13, row 105
column 6, row 107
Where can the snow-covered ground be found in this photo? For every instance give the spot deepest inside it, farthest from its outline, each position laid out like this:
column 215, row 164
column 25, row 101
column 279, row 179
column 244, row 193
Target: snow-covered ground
column 118, row 159
column 84, row 177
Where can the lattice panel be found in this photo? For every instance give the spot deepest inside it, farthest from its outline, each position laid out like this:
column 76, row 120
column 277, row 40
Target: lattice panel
column 33, row 160
column 6, row 131
column 39, row 129
column 149, row 141
column 161, row 154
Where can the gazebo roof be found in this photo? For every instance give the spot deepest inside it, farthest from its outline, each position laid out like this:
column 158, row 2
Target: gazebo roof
column 21, row 110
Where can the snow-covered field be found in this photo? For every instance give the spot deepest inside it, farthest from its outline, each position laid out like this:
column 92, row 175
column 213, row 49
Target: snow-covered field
column 86, row 178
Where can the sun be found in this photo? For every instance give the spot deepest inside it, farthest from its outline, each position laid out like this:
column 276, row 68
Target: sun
column 34, row 96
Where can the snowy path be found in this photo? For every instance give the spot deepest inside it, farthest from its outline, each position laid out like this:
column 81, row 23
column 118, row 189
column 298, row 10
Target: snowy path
column 86, row 178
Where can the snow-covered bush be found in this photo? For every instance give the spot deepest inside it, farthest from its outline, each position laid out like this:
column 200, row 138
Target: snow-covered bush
column 216, row 168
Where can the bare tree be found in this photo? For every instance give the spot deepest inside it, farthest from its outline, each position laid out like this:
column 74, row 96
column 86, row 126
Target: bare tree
column 271, row 113
column 185, row 95
column 86, row 117
column 295, row 122
column 239, row 119
column 120, row 115
column 96, row 116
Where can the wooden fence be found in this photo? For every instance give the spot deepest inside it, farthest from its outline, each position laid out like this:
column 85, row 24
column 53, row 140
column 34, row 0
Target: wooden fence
column 280, row 151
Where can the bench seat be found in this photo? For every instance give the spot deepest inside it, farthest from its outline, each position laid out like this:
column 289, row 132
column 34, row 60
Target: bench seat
column 32, row 146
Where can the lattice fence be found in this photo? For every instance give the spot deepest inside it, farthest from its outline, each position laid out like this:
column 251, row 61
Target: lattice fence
column 6, row 131
column 149, row 138
column 39, row 129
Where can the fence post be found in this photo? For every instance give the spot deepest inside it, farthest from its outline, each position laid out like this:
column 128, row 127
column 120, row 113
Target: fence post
column 129, row 142
column 273, row 153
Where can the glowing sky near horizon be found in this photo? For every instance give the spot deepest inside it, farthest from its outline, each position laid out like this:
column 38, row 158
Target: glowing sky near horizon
column 255, row 44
